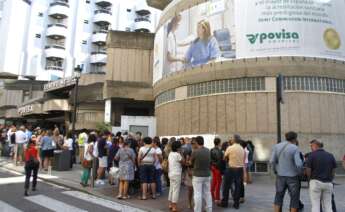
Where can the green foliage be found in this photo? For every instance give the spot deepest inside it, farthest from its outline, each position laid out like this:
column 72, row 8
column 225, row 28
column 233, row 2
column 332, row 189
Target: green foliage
column 103, row 127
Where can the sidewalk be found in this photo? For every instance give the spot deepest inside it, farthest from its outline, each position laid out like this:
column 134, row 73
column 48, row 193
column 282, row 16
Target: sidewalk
column 259, row 196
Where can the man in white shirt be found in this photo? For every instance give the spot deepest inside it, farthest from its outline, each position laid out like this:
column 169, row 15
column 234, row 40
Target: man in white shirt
column 21, row 140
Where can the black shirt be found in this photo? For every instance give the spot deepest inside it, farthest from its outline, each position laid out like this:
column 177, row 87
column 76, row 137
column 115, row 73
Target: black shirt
column 321, row 164
column 102, row 149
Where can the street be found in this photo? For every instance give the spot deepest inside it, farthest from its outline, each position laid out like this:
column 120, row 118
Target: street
column 49, row 197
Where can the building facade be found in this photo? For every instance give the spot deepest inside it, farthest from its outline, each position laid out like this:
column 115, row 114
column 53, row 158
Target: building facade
column 237, row 94
column 46, row 39
column 122, row 97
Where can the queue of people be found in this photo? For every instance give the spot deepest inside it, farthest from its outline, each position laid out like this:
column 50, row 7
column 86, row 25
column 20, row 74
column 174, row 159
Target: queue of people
column 139, row 164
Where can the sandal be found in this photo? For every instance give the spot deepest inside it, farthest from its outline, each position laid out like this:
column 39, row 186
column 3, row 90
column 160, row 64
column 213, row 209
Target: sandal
column 119, row 197
column 126, row 197
column 143, row 198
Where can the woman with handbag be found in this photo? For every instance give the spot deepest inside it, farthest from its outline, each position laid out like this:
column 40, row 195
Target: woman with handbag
column 31, row 166
column 87, row 161
column 146, row 160
column 126, row 158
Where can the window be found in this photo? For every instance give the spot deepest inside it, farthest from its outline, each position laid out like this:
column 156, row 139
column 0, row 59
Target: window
column 84, row 42
column 40, row 14
column 314, row 84
column 86, row 21
column 226, row 86
column 38, row 35
column 87, row 1
column 129, row 10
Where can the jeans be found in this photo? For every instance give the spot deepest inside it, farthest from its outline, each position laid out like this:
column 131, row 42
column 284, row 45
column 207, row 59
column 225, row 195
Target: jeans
column 202, row 190
column 216, row 183
column 321, row 192
column 158, row 179
column 233, row 176
column 174, row 190
column 293, row 185
column 85, row 176
column 28, row 172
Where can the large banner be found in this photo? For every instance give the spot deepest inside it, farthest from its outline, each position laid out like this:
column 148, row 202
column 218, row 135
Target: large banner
column 220, row 30
column 195, row 37
column 312, row 28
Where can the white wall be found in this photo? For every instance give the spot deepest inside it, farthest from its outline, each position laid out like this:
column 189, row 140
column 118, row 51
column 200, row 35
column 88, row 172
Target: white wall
column 150, row 121
column 22, row 53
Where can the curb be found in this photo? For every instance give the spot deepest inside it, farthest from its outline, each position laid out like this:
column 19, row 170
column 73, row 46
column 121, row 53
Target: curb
column 87, row 191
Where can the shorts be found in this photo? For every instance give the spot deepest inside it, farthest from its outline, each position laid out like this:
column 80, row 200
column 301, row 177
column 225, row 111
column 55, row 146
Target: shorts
column 48, row 153
column 147, row 173
column 292, row 184
column 103, row 162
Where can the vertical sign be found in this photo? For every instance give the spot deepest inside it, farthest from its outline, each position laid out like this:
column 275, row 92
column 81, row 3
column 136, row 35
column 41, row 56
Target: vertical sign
column 107, row 111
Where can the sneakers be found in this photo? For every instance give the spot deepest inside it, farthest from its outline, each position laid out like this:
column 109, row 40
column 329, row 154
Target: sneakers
column 100, row 182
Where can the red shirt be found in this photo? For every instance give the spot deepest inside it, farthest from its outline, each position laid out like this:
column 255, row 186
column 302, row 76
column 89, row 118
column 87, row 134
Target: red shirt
column 31, row 151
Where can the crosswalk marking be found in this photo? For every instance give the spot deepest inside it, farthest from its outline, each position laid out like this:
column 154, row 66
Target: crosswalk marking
column 12, row 180
column 53, row 204
column 102, row 202
column 4, row 207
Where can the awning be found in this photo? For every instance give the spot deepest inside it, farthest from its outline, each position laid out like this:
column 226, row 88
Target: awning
column 12, row 113
column 56, row 105
column 34, row 108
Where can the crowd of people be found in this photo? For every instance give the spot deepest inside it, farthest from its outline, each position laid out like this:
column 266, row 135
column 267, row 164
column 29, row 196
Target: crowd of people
column 142, row 165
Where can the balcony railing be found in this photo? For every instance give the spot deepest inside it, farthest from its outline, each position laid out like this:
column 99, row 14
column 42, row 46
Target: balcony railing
column 55, row 46
column 142, row 19
column 103, row 11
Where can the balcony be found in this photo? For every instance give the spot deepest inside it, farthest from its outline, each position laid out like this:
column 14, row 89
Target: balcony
column 57, row 31
column 142, row 25
column 59, row 9
column 102, row 17
column 99, row 37
column 55, row 52
column 158, row 4
column 98, row 58
column 104, row 3
column 142, row 9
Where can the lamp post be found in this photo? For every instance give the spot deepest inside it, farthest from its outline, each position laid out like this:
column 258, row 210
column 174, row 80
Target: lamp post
column 279, row 101
column 77, row 72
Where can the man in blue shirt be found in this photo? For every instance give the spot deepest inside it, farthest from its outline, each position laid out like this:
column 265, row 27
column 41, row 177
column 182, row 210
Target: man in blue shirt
column 287, row 164
column 320, row 170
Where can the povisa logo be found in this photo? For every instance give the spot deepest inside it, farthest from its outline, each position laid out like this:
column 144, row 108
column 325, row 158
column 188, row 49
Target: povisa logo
column 283, row 35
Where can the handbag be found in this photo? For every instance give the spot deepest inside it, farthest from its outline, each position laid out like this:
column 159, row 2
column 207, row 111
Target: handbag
column 87, row 164
column 165, row 165
column 114, row 172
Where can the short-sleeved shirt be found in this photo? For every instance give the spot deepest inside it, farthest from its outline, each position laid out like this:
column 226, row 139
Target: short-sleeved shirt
column 175, row 167
column 235, row 154
column 21, row 137
column 150, row 157
column 47, row 143
column 201, row 161
column 321, row 164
